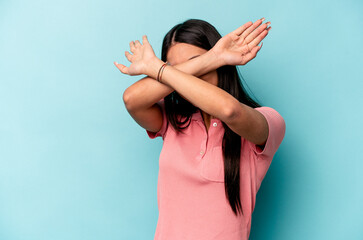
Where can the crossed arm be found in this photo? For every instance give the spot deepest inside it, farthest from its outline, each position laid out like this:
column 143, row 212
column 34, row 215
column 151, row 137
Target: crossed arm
column 147, row 91
column 236, row 48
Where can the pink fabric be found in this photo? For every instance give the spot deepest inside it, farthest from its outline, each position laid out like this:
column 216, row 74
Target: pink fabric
column 191, row 198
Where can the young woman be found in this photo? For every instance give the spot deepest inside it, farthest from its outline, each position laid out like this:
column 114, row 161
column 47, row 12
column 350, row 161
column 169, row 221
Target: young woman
column 218, row 143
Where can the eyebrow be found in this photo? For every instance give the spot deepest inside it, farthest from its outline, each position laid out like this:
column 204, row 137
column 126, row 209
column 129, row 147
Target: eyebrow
column 193, row 57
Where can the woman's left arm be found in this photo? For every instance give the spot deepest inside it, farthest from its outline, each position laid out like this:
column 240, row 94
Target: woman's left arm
column 242, row 119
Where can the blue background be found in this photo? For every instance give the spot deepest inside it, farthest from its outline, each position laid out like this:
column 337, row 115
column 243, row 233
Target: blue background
column 75, row 165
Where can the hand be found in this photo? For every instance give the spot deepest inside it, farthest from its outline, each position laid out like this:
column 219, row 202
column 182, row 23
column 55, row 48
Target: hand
column 240, row 46
column 140, row 60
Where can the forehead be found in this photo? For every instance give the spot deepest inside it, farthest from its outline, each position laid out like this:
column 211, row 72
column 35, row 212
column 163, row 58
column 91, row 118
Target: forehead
column 181, row 52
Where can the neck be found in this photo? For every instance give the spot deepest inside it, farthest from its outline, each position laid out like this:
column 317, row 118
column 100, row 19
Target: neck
column 206, row 116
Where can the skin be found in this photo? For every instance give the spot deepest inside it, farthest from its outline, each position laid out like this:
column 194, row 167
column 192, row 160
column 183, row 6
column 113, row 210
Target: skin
column 236, row 48
column 182, row 52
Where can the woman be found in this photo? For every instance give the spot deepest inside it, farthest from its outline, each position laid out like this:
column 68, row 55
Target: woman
column 218, row 142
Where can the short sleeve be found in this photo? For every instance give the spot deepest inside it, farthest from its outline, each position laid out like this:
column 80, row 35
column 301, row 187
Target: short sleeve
column 276, row 133
column 162, row 131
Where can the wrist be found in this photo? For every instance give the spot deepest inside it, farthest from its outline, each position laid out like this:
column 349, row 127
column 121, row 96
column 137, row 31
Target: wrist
column 217, row 57
column 154, row 67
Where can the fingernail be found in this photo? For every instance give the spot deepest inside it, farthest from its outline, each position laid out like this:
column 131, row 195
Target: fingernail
column 268, row 23
column 262, row 19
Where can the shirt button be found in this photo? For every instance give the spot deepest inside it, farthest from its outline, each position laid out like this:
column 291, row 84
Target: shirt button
column 201, row 152
column 215, row 124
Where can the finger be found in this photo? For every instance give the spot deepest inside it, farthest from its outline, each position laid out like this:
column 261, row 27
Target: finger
column 122, row 68
column 252, row 54
column 259, row 38
column 242, row 28
column 144, row 39
column 255, row 50
column 260, row 46
column 132, row 46
column 137, row 43
column 251, row 28
column 128, row 56
column 257, row 32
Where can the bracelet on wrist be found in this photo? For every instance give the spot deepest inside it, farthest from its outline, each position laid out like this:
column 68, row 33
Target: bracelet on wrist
column 161, row 70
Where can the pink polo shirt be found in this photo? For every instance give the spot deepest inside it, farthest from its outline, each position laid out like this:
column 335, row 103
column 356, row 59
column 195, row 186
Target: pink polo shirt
column 191, row 198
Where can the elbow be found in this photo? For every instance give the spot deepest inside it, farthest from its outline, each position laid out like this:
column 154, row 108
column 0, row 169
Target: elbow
column 127, row 99
column 230, row 112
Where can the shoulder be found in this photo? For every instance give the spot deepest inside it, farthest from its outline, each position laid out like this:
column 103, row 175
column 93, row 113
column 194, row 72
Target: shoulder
column 276, row 132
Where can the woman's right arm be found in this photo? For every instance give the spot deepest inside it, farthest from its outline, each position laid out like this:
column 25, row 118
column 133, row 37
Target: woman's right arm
column 144, row 93
column 141, row 97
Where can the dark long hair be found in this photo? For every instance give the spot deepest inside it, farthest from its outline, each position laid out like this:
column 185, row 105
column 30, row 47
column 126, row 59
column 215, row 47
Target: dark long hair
column 202, row 34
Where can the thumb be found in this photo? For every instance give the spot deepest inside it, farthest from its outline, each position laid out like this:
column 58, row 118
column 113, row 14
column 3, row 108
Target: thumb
column 259, row 47
column 255, row 50
column 122, row 68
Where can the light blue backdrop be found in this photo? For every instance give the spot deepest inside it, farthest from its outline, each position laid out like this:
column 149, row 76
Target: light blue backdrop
column 75, row 165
